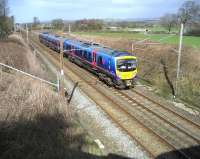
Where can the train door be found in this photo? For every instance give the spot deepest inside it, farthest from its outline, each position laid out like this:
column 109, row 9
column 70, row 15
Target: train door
column 94, row 59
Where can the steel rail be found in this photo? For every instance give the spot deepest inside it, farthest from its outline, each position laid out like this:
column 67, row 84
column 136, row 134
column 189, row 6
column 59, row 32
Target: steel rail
column 166, row 108
column 159, row 116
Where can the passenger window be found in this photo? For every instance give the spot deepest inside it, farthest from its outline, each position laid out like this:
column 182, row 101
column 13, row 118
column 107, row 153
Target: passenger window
column 89, row 57
column 68, row 47
column 77, row 52
column 100, row 60
column 72, row 49
column 85, row 54
column 80, row 52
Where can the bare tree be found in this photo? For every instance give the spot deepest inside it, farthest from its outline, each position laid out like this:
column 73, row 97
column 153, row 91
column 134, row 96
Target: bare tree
column 169, row 21
column 88, row 25
column 189, row 12
column 36, row 22
column 57, row 23
column 5, row 21
column 4, row 8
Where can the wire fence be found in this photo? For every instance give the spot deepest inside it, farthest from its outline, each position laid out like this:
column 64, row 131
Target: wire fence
column 29, row 75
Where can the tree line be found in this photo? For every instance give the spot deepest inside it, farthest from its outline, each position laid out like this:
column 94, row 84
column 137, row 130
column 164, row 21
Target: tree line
column 6, row 22
column 188, row 14
column 60, row 24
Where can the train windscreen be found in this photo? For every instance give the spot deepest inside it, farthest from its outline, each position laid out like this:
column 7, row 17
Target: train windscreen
column 126, row 65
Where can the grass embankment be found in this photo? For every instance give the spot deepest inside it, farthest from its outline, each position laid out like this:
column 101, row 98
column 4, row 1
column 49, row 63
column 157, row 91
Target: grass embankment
column 151, row 61
column 35, row 122
column 162, row 38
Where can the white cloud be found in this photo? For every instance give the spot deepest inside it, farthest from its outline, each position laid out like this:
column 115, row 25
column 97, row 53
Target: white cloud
column 122, row 1
column 50, row 3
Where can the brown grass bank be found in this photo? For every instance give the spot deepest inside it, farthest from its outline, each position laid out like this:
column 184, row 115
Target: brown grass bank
column 34, row 121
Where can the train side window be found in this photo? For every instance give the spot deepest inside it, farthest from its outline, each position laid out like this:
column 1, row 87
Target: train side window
column 80, row 52
column 100, row 60
column 72, row 48
column 85, row 54
column 77, row 52
column 89, row 56
column 67, row 47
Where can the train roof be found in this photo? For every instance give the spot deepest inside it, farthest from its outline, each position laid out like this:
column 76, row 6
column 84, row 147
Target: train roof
column 77, row 43
column 89, row 45
column 111, row 52
column 98, row 48
column 55, row 37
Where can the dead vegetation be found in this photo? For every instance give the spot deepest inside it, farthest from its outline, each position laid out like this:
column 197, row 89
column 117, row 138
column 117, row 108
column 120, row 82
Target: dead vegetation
column 154, row 61
column 35, row 122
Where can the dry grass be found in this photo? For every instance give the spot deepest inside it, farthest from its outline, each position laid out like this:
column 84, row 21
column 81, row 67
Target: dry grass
column 35, row 122
column 11, row 53
column 15, row 53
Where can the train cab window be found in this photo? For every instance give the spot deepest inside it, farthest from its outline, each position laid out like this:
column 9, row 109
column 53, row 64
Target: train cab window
column 100, row 61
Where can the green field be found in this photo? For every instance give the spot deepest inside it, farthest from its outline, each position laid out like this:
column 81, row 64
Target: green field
column 162, row 38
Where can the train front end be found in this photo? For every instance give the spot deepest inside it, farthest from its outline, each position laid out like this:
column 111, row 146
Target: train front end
column 126, row 71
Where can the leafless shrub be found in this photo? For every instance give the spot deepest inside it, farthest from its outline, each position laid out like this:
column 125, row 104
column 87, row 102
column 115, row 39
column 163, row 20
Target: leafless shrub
column 30, row 97
column 35, row 122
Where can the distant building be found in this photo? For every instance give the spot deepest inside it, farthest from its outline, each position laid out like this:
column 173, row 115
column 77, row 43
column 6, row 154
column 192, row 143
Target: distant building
column 142, row 30
column 136, row 29
column 114, row 28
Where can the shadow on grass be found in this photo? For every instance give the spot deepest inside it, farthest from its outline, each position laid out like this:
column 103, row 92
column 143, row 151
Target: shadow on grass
column 43, row 137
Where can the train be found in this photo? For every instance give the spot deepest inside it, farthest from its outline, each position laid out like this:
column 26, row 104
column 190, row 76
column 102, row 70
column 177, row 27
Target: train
column 115, row 68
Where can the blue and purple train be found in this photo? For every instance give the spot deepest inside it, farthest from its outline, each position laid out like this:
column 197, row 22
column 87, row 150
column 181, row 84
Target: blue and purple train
column 115, row 68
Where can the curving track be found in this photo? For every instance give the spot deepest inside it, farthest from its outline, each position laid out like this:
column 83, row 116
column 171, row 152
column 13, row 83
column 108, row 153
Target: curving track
column 142, row 118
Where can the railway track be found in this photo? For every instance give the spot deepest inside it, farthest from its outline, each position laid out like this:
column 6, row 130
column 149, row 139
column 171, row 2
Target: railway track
column 140, row 121
column 184, row 123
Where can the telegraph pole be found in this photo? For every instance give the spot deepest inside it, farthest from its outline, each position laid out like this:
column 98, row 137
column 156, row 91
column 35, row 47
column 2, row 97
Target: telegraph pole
column 62, row 92
column 69, row 29
column 179, row 58
column 27, row 33
column 132, row 47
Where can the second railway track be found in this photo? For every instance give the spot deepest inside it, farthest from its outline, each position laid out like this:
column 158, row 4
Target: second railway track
column 143, row 122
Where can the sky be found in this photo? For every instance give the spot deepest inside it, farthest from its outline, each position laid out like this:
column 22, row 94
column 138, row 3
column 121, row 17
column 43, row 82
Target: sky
column 46, row 10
